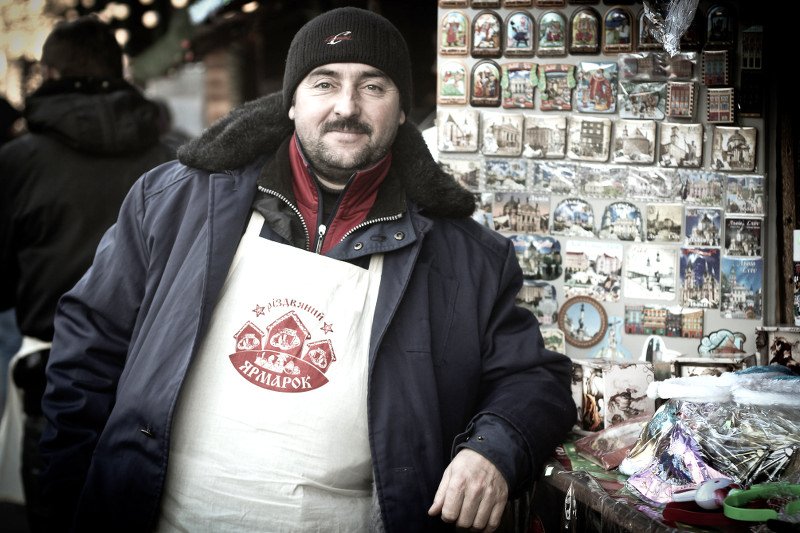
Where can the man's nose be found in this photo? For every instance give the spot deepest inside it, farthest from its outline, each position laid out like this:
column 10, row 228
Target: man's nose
column 347, row 102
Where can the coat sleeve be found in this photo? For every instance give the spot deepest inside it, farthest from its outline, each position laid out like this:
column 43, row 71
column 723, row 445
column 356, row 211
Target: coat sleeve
column 526, row 405
column 93, row 327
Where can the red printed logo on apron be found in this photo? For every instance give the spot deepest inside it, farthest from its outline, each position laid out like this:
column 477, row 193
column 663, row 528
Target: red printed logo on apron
column 283, row 356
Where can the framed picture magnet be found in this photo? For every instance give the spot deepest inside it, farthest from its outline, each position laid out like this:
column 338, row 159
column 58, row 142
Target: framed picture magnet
column 583, row 321
column 454, row 34
column 487, row 35
column 485, row 84
column 520, row 35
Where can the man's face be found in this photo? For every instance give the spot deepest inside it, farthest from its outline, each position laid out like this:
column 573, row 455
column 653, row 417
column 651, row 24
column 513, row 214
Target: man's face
column 346, row 116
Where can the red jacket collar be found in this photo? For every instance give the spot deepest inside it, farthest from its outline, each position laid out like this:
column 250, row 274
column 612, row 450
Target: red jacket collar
column 354, row 202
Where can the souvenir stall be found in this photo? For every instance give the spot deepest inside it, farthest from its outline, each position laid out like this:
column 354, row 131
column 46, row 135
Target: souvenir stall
column 622, row 149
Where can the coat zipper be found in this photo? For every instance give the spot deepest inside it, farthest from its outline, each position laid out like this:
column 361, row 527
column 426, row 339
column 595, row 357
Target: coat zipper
column 357, row 227
column 285, row 200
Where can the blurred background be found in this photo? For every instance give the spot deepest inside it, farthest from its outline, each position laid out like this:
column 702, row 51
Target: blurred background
column 203, row 57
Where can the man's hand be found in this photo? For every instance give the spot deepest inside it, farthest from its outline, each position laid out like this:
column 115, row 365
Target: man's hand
column 472, row 493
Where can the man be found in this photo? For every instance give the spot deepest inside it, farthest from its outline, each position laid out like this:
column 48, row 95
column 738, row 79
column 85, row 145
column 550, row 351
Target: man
column 91, row 135
column 300, row 328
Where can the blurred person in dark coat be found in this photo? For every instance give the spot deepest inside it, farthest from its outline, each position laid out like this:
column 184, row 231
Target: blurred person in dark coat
column 90, row 136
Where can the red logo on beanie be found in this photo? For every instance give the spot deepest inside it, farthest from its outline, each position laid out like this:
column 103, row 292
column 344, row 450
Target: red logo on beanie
column 339, row 37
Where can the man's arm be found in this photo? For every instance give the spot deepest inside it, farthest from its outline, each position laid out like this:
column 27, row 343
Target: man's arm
column 526, row 410
column 93, row 327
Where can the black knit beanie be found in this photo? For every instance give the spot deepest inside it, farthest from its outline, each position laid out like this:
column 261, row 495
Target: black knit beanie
column 348, row 35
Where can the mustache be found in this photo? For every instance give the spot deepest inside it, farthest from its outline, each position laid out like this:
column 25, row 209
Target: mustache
column 350, row 125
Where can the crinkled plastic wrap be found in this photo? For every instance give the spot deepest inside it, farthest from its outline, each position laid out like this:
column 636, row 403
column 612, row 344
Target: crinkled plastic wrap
column 670, row 20
column 746, row 443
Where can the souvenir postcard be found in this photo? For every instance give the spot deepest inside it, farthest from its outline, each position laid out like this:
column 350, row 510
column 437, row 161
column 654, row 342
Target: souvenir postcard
column 505, row 174
column 596, row 87
column 654, row 184
column 552, row 34
column 502, row 134
column 742, row 288
column 634, row 141
column 680, row 99
column 539, row 297
column 521, row 213
column 664, row 222
column 588, row 139
column 699, row 277
column 545, row 136
column 573, row 217
column 554, row 339
column 454, row 34
column 642, row 100
column 674, row 321
column 680, row 145
column 585, row 31
column 485, row 84
column 486, row 35
column 734, row 148
column 745, row 195
column 457, row 130
column 611, row 349
column 556, row 82
column 539, row 256
column 650, row 272
column 483, row 209
column 520, row 35
column 518, row 82
column 467, row 172
column 702, row 188
column 593, row 269
column 453, row 82
column 622, row 221
column 617, row 31
column 601, row 181
column 743, row 236
column 546, row 173
column 703, row 226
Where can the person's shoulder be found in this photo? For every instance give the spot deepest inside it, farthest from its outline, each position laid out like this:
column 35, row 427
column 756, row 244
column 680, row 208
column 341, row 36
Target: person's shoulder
column 172, row 175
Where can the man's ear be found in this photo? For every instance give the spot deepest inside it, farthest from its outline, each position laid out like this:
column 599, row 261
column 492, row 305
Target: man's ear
column 402, row 117
column 291, row 112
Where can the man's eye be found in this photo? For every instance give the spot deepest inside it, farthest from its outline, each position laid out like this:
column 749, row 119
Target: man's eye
column 323, row 85
column 374, row 88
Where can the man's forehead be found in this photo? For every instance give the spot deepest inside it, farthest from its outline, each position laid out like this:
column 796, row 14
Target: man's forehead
column 347, row 69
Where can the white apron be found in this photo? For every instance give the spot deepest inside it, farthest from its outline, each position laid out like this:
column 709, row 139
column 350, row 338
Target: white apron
column 270, row 430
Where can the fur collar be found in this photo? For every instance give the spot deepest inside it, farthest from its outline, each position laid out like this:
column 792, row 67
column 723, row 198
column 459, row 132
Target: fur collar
column 260, row 126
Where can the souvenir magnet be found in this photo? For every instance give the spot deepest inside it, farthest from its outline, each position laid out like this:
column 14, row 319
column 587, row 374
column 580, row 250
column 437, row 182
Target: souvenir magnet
column 715, row 68
column 680, row 99
column 453, row 3
column 573, row 217
column 517, row 3
column 453, row 83
column 751, row 93
column 457, row 130
column 584, row 32
column 506, row 174
column 454, row 34
column 650, row 272
column 742, row 283
column 588, row 139
column 479, row 4
column 549, row 3
column 647, row 35
column 734, row 148
column 719, row 105
column 752, row 48
column 642, row 100
column 745, row 195
column 539, row 297
column 552, row 34
column 681, row 145
column 617, row 31
column 556, row 82
column 699, row 277
column 664, row 222
column 518, row 82
column 634, row 142
column 467, row 172
column 502, row 134
column 485, row 87
column 596, row 87
column 720, row 29
column 622, row 221
column 520, row 35
column 539, row 256
column 743, row 236
column 703, row 226
column 545, row 136
column 487, row 31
